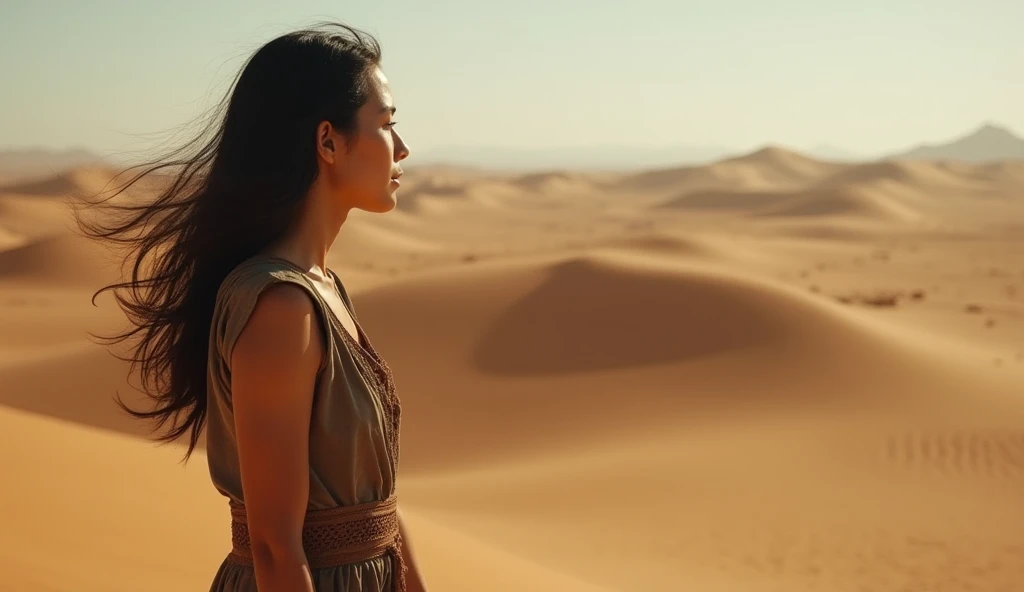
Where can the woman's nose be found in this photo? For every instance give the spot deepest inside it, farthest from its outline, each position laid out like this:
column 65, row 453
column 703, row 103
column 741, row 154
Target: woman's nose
column 401, row 149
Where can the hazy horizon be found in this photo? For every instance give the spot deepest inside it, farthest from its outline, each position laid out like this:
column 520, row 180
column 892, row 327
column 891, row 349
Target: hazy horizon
column 865, row 79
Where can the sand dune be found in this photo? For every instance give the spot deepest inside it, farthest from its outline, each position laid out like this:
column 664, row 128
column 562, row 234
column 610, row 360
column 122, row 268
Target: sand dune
column 29, row 216
column 81, row 392
column 732, row 201
column 842, row 201
column 672, row 244
column 451, row 194
column 439, row 184
column 886, row 192
column 435, row 192
column 850, row 201
column 78, row 182
column 1008, row 175
column 61, row 260
column 109, row 496
column 919, row 174
column 726, row 516
column 10, row 239
column 765, row 169
column 562, row 182
column 569, row 338
column 777, row 165
column 766, row 373
column 370, row 240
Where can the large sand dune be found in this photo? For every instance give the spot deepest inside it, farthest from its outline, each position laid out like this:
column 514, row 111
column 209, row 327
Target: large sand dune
column 767, row 373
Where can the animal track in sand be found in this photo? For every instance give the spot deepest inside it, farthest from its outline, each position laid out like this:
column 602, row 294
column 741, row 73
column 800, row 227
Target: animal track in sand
column 988, row 453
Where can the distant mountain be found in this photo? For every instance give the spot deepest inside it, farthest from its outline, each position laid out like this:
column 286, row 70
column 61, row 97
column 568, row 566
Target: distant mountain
column 988, row 143
column 38, row 162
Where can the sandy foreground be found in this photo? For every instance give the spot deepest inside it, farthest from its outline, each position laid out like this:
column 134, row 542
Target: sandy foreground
column 769, row 373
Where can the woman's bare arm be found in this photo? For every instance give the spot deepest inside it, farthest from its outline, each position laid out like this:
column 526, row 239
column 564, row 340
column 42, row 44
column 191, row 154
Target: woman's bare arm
column 273, row 372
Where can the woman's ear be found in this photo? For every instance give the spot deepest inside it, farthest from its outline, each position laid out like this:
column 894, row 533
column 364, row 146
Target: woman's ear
column 325, row 145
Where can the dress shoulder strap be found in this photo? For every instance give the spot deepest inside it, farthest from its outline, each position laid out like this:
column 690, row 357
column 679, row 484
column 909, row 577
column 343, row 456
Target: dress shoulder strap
column 241, row 289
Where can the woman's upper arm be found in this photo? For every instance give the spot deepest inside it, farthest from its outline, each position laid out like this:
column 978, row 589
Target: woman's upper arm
column 274, row 366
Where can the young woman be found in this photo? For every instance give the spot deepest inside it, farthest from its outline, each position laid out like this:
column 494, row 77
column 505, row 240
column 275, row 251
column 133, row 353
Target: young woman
column 244, row 328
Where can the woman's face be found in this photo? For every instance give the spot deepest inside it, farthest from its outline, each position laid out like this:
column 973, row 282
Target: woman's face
column 364, row 173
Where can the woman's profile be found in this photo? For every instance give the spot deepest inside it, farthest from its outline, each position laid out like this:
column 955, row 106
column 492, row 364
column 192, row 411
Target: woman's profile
column 243, row 329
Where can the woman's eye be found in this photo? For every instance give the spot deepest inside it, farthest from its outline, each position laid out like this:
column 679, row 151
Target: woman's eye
column 392, row 123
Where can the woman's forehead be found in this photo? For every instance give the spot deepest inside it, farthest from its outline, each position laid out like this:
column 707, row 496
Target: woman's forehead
column 380, row 99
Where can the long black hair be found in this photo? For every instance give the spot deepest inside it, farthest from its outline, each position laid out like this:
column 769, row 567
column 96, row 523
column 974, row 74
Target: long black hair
column 234, row 188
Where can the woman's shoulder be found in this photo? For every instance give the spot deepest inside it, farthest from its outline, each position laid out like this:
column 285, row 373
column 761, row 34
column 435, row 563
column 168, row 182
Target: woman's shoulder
column 241, row 289
column 255, row 273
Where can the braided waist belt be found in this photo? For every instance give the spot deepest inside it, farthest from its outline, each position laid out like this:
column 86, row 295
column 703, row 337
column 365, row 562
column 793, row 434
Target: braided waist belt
column 336, row 536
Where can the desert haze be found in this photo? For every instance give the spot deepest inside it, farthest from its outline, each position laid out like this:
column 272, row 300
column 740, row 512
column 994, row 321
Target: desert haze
column 767, row 373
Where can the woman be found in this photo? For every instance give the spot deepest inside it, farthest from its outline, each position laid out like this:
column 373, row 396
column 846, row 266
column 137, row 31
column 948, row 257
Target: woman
column 242, row 323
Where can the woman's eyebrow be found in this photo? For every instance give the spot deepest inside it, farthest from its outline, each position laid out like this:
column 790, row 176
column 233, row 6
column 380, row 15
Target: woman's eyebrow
column 391, row 108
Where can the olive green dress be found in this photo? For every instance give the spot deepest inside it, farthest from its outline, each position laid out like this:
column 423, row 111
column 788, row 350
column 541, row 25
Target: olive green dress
column 353, row 436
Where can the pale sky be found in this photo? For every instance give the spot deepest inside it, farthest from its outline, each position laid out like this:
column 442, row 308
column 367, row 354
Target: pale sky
column 868, row 76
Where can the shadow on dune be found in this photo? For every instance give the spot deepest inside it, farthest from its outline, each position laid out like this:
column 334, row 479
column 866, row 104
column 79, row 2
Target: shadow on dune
column 587, row 316
column 77, row 384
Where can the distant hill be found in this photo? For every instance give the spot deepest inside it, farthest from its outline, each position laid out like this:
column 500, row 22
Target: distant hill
column 38, row 162
column 74, row 181
column 989, row 143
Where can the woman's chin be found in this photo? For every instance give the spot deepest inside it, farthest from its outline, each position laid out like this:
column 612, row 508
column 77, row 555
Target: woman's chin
column 389, row 202
column 386, row 203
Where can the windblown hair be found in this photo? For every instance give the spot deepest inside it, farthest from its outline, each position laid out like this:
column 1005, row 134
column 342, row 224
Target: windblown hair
column 235, row 187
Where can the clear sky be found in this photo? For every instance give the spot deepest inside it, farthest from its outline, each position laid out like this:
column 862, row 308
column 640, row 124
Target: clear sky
column 869, row 76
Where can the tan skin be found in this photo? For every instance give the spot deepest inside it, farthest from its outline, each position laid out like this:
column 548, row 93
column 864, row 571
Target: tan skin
column 275, row 360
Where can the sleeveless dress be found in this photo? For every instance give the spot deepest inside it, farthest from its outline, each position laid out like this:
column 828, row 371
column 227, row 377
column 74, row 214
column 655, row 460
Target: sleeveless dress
column 354, row 429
